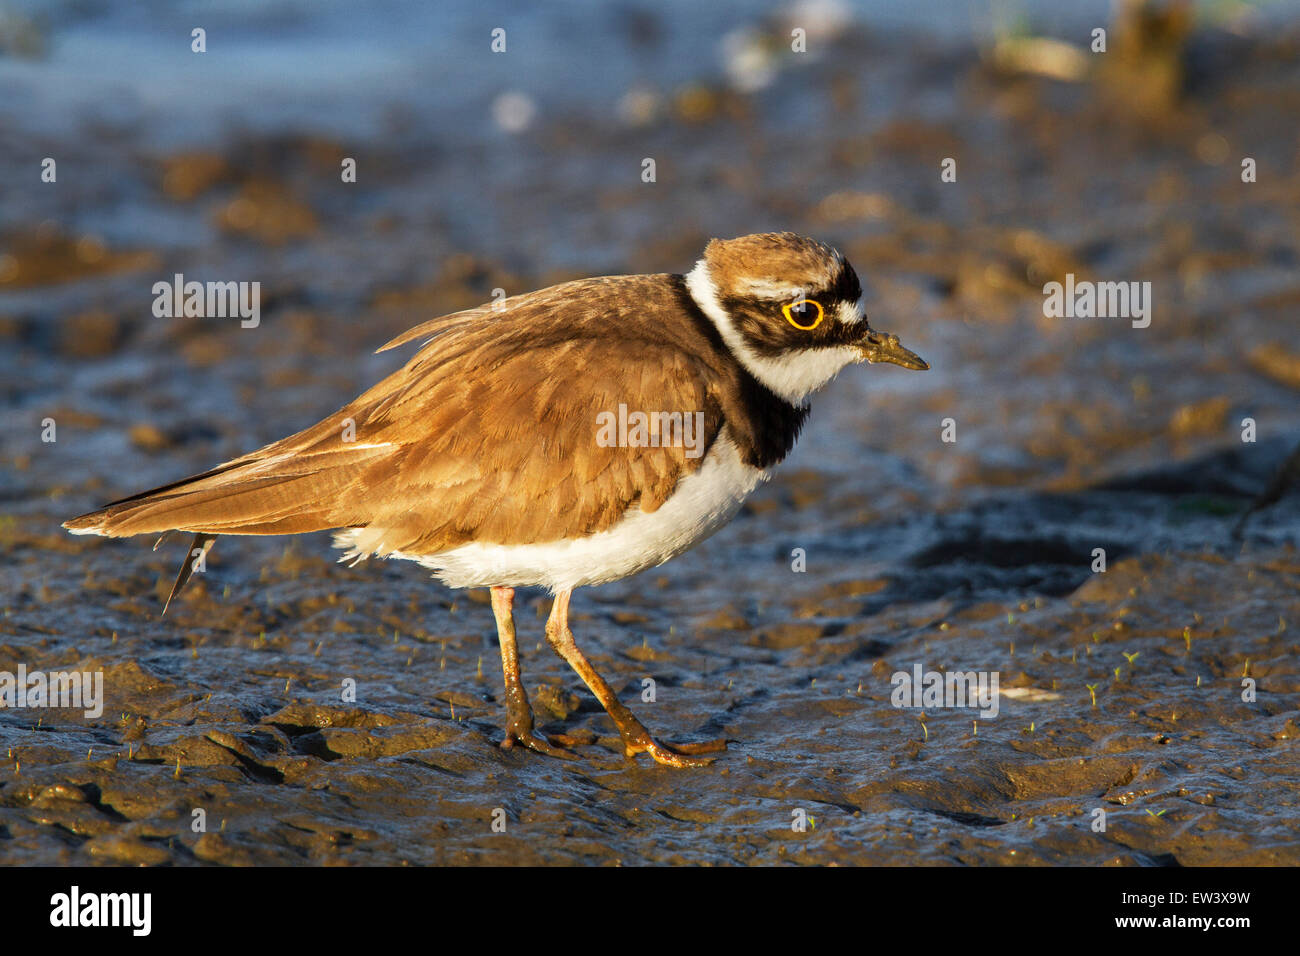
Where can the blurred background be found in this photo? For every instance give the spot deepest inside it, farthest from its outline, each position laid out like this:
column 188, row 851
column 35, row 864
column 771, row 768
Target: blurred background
column 478, row 170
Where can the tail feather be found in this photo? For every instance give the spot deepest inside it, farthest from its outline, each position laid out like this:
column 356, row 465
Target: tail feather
column 198, row 550
column 260, row 506
column 231, row 499
column 275, row 494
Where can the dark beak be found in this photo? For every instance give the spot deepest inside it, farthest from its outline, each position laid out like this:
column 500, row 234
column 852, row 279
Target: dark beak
column 884, row 347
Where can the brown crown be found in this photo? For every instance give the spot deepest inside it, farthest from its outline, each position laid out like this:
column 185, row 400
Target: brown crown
column 777, row 257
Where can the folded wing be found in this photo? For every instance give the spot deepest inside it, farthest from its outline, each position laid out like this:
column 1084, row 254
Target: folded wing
column 492, row 432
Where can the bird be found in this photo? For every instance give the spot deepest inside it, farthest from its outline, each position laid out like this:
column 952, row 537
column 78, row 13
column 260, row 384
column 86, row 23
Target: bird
column 557, row 439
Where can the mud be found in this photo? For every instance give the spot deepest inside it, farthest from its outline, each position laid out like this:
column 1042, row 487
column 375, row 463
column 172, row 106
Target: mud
column 1120, row 691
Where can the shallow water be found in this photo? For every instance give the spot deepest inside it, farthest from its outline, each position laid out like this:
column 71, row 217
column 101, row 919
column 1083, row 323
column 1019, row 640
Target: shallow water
column 1121, row 691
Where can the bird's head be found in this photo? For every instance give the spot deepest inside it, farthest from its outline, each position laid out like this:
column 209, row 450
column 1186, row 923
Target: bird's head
column 790, row 309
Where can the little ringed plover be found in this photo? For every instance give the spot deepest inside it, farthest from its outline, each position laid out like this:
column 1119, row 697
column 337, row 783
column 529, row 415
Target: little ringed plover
column 493, row 457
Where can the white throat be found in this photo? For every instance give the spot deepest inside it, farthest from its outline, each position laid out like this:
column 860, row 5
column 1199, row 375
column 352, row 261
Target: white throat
column 794, row 376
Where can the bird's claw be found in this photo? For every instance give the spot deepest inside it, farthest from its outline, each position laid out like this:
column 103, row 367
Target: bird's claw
column 677, row 755
column 536, row 742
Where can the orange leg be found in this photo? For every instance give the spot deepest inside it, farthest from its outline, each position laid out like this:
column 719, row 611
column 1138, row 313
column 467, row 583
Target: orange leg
column 636, row 739
column 519, row 715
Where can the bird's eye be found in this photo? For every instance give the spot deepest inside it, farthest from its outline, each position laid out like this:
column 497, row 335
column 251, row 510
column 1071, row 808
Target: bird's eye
column 804, row 314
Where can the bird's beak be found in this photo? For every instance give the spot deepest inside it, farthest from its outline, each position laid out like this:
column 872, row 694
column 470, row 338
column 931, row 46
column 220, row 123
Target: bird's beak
column 885, row 347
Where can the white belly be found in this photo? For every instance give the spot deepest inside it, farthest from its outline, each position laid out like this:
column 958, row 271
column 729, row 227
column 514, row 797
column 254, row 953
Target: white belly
column 702, row 503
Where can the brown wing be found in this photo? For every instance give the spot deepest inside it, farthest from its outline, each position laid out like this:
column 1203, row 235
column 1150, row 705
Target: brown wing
column 489, row 433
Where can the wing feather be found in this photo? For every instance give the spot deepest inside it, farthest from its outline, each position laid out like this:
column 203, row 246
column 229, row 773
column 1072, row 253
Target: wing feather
column 488, row 433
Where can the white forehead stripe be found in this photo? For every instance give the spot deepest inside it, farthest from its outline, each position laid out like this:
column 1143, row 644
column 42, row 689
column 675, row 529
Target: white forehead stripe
column 851, row 313
column 767, row 289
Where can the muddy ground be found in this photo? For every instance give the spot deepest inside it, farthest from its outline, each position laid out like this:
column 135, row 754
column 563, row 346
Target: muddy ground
column 1122, row 691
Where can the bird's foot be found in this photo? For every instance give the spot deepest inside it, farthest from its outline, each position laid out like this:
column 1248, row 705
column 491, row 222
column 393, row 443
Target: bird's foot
column 527, row 737
column 676, row 755
column 519, row 724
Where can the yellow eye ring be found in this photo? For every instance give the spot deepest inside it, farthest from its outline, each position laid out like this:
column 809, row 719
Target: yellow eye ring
column 787, row 310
